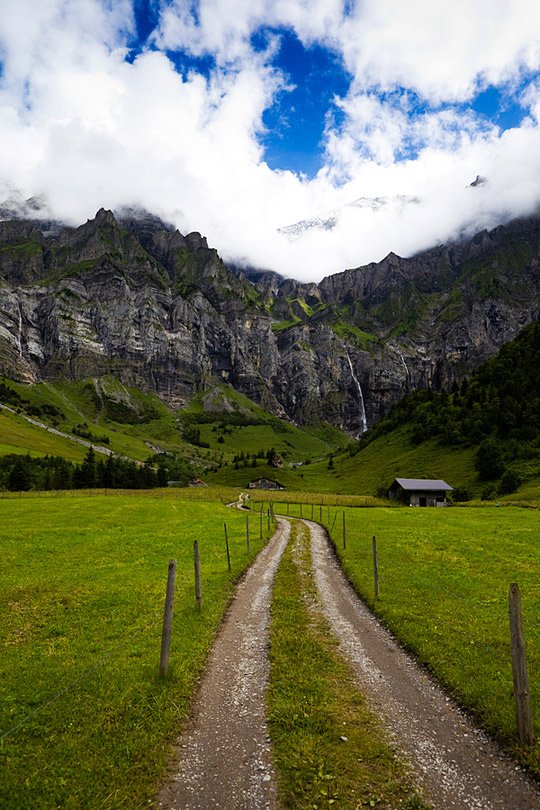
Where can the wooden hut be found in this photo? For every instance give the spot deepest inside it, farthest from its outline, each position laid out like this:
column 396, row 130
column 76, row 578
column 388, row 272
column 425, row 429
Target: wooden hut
column 419, row 491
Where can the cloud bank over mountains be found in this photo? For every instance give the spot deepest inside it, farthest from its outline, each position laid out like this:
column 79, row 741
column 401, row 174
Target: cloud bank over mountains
column 163, row 104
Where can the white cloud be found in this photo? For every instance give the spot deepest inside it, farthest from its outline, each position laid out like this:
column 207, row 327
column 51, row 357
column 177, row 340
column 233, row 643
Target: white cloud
column 87, row 128
column 216, row 27
column 442, row 50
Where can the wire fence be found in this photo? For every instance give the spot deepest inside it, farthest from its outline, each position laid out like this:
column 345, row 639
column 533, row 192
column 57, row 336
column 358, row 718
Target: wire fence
column 476, row 612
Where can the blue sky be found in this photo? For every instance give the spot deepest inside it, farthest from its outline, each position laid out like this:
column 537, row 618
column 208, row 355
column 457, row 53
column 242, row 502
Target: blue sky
column 316, row 75
column 241, row 118
column 296, row 120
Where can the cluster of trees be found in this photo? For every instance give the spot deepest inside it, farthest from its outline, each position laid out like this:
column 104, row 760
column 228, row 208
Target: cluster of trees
column 242, row 459
column 84, row 431
column 8, row 396
column 192, row 434
column 22, row 473
column 497, row 409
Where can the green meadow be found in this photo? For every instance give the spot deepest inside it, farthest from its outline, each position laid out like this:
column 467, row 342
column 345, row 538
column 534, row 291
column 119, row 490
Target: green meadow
column 19, row 436
column 444, row 581
column 366, row 472
column 85, row 721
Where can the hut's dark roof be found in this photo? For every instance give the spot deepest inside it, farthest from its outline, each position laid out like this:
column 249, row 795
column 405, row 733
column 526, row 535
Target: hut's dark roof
column 423, row 484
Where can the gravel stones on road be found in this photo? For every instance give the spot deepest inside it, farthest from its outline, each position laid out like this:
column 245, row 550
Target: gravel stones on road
column 223, row 759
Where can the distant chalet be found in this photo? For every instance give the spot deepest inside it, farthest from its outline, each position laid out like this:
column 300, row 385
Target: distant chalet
column 419, row 491
column 264, row 483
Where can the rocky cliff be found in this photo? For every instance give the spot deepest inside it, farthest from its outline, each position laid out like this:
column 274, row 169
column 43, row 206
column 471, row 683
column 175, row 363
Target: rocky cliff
column 127, row 294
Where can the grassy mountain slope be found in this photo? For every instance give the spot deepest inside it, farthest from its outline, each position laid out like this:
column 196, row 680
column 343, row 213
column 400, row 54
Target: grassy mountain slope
column 100, row 411
column 218, row 424
column 365, row 472
column 230, row 422
column 18, row 436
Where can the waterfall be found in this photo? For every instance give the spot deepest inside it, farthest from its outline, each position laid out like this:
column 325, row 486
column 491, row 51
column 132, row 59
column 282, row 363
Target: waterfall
column 363, row 420
column 407, row 372
column 20, row 330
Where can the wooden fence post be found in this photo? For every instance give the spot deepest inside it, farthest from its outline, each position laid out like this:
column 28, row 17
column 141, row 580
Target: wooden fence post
column 344, row 532
column 167, row 620
column 312, row 507
column 260, row 526
column 320, row 513
column 247, row 534
column 519, row 669
column 300, row 510
column 197, row 561
column 375, row 567
column 268, row 518
column 227, row 547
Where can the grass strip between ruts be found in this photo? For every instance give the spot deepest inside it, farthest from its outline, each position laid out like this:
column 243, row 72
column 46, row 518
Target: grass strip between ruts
column 329, row 748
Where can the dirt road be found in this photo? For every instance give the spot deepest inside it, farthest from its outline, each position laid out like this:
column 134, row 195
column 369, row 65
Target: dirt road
column 223, row 758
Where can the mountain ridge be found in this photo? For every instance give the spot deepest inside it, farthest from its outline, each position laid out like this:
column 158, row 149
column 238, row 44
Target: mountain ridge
column 128, row 294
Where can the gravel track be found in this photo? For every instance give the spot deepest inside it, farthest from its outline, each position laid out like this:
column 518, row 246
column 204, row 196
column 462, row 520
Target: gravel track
column 223, row 758
column 455, row 764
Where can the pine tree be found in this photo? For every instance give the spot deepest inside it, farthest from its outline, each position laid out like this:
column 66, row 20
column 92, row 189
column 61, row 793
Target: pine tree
column 19, row 478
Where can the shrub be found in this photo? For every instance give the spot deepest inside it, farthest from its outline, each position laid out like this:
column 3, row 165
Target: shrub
column 489, row 493
column 510, row 482
column 461, row 494
column 489, row 461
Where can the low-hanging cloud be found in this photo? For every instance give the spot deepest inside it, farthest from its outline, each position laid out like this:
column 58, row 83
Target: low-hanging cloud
column 85, row 127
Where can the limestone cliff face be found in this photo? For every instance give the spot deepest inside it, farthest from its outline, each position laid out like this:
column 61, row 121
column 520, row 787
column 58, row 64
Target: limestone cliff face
column 131, row 296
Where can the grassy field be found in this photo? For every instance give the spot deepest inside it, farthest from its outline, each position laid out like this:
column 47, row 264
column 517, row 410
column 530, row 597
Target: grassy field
column 85, row 721
column 316, row 459
column 133, row 422
column 362, row 474
column 444, row 582
column 328, row 746
column 19, row 436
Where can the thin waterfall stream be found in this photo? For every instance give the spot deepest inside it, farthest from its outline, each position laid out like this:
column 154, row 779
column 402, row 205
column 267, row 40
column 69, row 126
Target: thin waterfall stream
column 363, row 420
column 20, row 334
column 407, row 372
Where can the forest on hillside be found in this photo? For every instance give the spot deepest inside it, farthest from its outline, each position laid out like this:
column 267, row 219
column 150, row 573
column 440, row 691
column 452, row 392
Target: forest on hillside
column 496, row 409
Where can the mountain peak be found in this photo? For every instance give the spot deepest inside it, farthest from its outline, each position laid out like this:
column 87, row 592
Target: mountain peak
column 104, row 217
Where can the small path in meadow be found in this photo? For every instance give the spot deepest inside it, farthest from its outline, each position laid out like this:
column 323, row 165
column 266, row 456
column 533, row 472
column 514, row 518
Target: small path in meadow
column 223, row 758
column 455, row 764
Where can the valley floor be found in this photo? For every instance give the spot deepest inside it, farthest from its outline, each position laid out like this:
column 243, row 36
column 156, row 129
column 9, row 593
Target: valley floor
column 223, row 757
